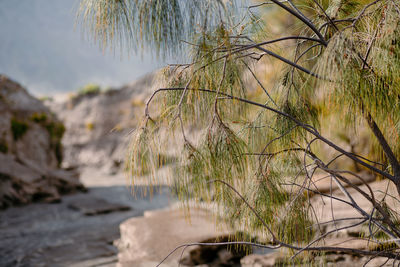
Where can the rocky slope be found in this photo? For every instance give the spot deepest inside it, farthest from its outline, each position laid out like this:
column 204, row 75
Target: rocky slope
column 30, row 150
column 98, row 124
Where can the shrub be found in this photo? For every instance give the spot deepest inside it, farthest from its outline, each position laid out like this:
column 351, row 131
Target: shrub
column 18, row 128
column 39, row 117
column 46, row 98
column 56, row 131
column 3, row 146
column 89, row 89
column 90, row 126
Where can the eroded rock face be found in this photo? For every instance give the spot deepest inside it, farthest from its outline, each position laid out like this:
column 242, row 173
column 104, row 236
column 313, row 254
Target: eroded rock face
column 30, row 150
column 98, row 124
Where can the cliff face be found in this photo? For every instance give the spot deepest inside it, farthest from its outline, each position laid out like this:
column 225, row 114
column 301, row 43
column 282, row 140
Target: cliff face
column 98, row 124
column 30, row 149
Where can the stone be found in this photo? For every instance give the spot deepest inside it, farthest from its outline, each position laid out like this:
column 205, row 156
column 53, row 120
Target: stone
column 152, row 237
column 216, row 255
column 262, row 260
column 324, row 184
column 100, row 137
column 101, row 261
column 30, row 150
column 96, row 206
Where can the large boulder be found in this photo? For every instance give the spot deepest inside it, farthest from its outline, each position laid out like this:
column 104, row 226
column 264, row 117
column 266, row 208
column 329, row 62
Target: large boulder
column 30, row 149
column 146, row 241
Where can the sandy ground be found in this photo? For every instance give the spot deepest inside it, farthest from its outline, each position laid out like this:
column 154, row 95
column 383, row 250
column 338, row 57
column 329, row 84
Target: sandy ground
column 81, row 229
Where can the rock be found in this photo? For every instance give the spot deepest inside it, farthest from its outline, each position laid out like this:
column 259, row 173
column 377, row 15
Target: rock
column 150, row 238
column 96, row 206
column 265, row 260
column 100, row 136
column 345, row 260
column 216, row 255
column 30, row 150
column 324, row 208
column 277, row 258
column 102, row 261
column 324, row 184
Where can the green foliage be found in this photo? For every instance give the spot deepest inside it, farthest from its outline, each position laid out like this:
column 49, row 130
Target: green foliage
column 3, row 146
column 226, row 152
column 161, row 24
column 58, row 150
column 56, row 131
column 294, row 227
column 90, row 126
column 143, row 146
column 18, row 128
column 216, row 158
column 46, row 98
column 89, row 89
column 257, row 152
column 54, row 128
column 370, row 87
column 39, row 118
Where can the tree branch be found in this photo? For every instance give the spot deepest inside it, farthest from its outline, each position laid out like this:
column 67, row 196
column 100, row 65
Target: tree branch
column 386, row 149
column 306, row 127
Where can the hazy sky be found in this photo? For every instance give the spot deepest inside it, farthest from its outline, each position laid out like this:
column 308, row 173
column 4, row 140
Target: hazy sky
column 40, row 49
